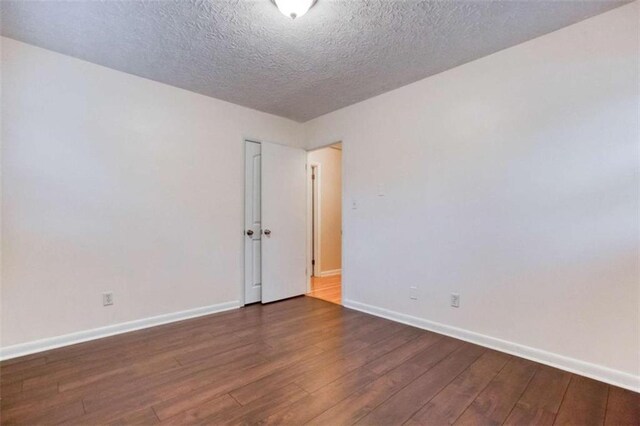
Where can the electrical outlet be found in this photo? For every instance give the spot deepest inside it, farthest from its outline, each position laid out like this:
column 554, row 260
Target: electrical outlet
column 455, row 300
column 413, row 293
column 107, row 299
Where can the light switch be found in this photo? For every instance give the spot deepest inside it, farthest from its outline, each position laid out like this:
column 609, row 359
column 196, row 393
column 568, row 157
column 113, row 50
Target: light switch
column 413, row 293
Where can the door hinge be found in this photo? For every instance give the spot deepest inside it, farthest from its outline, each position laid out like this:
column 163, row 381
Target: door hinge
column 313, row 262
column 313, row 177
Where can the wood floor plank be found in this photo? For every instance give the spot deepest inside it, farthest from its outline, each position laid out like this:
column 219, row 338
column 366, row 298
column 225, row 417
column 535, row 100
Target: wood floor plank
column 119, row 387
column 113, row 394
column 259, row 409
column 495, row 402
column 364, row 330
column 541, row 400
column 141, row 417
column 30, row 395
column 129, row 372
column 281, row 377
column 8, row 364
column 169, row 407
column 49, row 415
column 15, row 366
column 451, row 402
column 318, row 378
column 584, row 403
column 392, row 359
column 99, row 407
column 298, row 361
column 402, row 405
column 360, row 403
column 623, row 408
column 214, row 407
column 305, row 409
column 177, row 401
column 8, row 389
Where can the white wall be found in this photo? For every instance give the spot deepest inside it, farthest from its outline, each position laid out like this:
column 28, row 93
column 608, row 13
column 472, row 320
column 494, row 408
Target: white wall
column 512, row 180
column 116, row 183
column 330, row 161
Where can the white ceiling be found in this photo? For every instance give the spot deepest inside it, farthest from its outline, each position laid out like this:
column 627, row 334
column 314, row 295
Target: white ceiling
column 246, row 52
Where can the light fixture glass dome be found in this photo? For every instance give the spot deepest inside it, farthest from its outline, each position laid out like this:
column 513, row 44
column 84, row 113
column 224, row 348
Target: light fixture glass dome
column 294, row 8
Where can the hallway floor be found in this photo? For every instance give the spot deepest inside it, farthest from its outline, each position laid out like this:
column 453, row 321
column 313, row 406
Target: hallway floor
column 327, row 288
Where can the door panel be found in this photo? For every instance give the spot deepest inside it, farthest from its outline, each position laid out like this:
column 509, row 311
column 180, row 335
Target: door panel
column 283, row 222
column 252, row 223
column 257, row 264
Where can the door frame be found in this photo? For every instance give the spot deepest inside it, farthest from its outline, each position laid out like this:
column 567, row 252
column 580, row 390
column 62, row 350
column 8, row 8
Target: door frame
column 314, row 202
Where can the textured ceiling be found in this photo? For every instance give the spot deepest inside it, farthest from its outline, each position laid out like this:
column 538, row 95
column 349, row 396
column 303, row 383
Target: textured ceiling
column 246, row 52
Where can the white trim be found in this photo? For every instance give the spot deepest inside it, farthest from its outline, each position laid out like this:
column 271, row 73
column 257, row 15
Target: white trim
column 330, row 273
column 583, row 368
column 313, row 245
column 317, row 217
column 309, row 266
column 110, row 330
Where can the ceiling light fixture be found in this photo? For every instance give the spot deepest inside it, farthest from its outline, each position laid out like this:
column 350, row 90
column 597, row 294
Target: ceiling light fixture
column 294, row 8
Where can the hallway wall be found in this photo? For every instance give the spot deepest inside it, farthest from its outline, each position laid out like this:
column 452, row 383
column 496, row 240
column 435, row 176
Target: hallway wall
column 330, row 160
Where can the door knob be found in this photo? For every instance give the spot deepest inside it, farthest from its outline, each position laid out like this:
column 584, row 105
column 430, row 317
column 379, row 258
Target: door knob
column 267, row 232
column 249, row 232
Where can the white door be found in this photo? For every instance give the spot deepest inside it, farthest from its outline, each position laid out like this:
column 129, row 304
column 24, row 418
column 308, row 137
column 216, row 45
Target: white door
column 252, row 224
column 283, row 222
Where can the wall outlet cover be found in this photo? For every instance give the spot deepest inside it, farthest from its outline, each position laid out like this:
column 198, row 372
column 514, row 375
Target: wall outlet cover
column 107, row 299
column 413, row 293
column 455, row 300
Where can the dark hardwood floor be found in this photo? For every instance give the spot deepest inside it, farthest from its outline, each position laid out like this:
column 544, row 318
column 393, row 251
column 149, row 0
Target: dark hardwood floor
column 300, row 361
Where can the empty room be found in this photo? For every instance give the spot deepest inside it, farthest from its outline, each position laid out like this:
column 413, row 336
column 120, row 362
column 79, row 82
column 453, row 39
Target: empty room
column 326, row 212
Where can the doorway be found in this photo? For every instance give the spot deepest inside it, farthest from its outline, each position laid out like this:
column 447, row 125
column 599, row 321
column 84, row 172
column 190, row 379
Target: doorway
column 324, row 206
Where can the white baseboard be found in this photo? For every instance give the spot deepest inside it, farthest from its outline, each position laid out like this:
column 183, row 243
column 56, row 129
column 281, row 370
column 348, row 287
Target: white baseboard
column 330, row 273
column 594, row 371
column 110, row 330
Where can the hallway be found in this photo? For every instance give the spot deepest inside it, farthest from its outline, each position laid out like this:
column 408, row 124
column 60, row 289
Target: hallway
column 327, row 288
